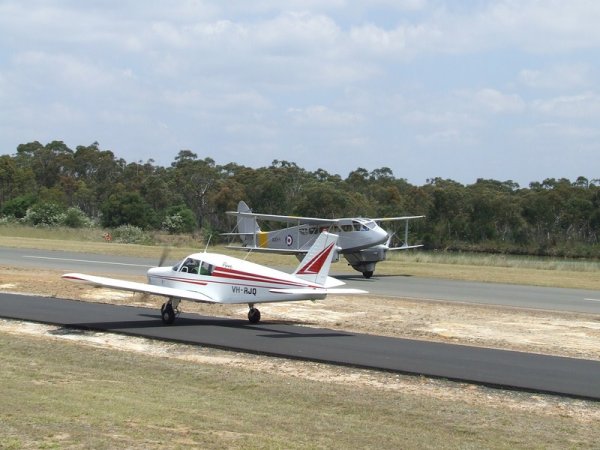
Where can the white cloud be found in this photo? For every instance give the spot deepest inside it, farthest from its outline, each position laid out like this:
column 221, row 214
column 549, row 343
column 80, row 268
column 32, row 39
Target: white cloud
column 557, row 77
column 498, row 102
column 583, row 106
column 322, row 116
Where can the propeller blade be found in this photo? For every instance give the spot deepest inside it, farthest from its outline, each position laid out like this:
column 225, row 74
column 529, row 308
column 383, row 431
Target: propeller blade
column 163, row 256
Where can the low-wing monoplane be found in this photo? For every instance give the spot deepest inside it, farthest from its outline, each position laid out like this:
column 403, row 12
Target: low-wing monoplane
column 362, row 241
column 216, row 278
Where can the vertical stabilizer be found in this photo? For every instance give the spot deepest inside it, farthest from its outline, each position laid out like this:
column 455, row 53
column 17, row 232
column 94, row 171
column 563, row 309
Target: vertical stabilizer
column 315, row 265
column 247, row 225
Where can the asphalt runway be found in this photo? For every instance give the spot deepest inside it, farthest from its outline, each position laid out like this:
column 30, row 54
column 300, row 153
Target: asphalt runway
column 533, row 297
column 498, row 368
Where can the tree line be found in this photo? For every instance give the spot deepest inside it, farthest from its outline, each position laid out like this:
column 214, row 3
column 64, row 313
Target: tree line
column 52, row 183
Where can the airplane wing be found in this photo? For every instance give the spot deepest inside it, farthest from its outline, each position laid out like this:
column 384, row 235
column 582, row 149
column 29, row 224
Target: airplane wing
column 300, row 291
column 277, row 251
column 405, row 247
column 133, row 286
column 395, row 219
column 279, row 218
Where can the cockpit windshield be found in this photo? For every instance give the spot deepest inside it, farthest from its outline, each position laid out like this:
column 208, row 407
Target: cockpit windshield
column 195, row 266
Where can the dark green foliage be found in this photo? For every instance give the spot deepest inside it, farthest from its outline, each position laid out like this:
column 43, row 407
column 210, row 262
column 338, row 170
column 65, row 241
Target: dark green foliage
column 18, row 206
column 552, row 217
column 75, row 218
column 179, row 219
column 127, row 208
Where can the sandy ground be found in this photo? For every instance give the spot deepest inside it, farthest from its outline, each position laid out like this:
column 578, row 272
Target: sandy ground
column 564, row 334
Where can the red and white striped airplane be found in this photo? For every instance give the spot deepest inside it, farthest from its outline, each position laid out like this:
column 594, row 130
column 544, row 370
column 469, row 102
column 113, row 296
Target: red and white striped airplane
column 217, row 278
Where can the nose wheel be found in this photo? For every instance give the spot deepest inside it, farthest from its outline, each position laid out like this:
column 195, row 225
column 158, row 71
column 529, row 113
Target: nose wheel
column 253, row 314
column 168, row 311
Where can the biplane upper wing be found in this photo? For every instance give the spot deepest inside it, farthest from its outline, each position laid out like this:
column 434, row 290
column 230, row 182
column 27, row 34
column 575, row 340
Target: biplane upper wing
column 276, row 251
column 396, row 219
column 288, row 219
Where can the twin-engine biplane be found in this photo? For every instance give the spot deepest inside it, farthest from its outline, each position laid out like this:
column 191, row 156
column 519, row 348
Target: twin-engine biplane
column 215, row 278
column 363, row 242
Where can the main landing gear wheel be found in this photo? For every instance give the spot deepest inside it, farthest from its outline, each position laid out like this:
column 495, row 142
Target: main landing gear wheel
column 167, row 313
column 368, row 274
column 254, row 315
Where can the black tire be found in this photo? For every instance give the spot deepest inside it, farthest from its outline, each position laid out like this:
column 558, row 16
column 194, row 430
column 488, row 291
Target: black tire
column 168, row 314
column 368, row 274
column 254, row 315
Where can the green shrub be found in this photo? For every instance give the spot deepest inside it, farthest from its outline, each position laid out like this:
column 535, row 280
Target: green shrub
column 17, row 207
column 76, row 218
column 44, row 214
column 130, row 234
column 179, row 219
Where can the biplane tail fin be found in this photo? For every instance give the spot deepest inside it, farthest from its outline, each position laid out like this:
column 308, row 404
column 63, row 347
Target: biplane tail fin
column 247, row 225
column 317, row 261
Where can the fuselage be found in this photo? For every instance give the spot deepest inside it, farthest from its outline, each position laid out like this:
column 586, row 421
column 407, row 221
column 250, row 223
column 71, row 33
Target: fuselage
column 354, row 234
column 226, row 279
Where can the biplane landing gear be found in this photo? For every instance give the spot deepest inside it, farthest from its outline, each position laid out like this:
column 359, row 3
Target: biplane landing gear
column 253, row 314
column 368, row 274
column 168, row 311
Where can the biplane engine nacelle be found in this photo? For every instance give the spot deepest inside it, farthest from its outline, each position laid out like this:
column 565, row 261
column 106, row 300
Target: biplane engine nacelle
column 364, row 260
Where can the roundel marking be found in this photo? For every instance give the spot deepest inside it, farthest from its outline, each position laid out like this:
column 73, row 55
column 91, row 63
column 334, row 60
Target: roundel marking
column 289, row 240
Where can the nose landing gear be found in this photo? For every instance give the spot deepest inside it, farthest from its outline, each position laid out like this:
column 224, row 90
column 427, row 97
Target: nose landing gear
column 253, row 314
column 169, row 311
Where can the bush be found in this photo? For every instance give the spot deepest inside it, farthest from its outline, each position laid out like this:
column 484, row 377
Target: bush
column 17, row 207
column 130, row 234
column 44, row 214
column 127, row 208
column 179, row 219
column 76, row 218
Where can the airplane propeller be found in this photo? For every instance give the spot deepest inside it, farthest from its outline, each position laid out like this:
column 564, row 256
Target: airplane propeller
column 163, row 256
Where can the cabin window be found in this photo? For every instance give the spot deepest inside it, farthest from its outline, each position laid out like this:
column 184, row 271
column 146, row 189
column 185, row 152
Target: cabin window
column 206, row 268
column 190, row 265
column 357, row 226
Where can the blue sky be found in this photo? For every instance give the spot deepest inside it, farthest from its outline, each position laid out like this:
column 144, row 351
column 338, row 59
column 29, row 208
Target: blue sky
column 507, row 90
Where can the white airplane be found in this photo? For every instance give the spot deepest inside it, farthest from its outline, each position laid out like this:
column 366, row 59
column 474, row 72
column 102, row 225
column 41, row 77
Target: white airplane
column 362, row 241
column 215, row 278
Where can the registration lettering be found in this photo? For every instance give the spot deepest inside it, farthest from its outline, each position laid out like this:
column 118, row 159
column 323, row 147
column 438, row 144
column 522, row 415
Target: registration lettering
column 245, row 290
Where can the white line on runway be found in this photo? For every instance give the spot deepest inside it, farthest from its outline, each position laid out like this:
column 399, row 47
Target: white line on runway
column 86, row 261
column 592, row 299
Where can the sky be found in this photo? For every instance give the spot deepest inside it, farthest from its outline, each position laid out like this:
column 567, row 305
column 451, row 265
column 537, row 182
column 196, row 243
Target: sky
column 505, row 90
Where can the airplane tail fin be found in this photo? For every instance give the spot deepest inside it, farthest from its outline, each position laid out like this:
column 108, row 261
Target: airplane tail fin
column 247, row 226
column 315, row 265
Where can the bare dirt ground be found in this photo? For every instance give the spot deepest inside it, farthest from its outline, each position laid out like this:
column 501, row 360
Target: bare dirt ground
column 564, row 334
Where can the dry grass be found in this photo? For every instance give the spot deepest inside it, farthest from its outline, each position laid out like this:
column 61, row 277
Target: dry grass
column 69, row 395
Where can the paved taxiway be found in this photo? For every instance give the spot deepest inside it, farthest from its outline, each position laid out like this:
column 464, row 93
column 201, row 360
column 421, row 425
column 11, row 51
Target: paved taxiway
column 491, row 367
column 574, row 300
column 540, row 373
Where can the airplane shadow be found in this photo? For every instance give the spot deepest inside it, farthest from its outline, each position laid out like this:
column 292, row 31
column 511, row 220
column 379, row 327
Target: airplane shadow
column 275, row 329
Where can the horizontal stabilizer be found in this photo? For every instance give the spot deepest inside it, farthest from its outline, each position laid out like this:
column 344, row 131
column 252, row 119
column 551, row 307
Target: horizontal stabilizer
column 133, row 286
column 300, row 291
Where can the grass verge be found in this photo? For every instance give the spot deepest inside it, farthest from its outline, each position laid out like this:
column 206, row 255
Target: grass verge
column 535, row 271
column 69, row 395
